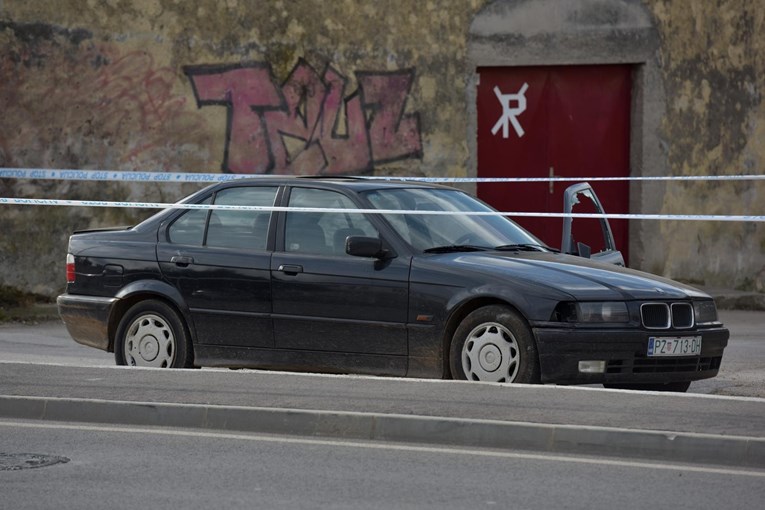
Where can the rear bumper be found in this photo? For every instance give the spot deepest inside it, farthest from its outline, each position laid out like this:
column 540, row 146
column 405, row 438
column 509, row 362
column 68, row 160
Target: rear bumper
column 625, row 353
column 87, row 318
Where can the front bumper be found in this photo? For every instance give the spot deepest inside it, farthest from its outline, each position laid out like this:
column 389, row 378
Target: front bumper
column 625, row 353
column 87, row 318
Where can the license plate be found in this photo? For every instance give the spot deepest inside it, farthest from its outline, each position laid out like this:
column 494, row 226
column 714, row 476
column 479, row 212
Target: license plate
column 674, row 346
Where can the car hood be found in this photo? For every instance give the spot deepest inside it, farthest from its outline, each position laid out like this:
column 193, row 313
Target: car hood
column 583, row 279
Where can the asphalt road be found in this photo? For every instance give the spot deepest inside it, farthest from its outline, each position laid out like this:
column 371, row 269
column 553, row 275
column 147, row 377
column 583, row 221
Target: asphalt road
column 128, row 467
column 742, row 371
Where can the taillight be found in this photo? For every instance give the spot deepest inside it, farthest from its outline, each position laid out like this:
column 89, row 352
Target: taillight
column 69, row 268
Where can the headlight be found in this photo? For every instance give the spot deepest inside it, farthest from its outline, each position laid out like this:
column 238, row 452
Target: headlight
column 610, row 311
column 607, row 311
column 705, row 312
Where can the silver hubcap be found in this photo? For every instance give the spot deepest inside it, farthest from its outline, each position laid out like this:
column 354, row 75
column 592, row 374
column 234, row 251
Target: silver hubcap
column 149, row 342
column 491, row 354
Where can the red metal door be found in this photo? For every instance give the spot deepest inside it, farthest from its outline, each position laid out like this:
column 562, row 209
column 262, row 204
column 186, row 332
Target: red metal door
column 562, row 121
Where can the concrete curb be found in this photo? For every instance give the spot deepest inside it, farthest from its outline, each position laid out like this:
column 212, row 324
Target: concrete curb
column 572, row 439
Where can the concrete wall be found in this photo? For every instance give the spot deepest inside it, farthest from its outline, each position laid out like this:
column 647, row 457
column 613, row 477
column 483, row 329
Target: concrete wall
column 713, row 68
column 129, row 86
column 359, row 87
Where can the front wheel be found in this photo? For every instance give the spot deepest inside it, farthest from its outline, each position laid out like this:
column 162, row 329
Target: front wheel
column 494, row 344
column 152, row 334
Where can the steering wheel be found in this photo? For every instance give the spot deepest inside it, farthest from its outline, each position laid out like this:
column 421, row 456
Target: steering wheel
column 465, row 238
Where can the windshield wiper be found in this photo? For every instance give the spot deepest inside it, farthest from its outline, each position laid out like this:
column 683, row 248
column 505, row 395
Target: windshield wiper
column 452, row 248
column 522, row 247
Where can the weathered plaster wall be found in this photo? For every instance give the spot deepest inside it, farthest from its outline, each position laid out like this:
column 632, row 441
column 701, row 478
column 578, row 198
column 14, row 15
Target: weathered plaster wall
column 138, row 84
column 713, row 63
column 339, row 87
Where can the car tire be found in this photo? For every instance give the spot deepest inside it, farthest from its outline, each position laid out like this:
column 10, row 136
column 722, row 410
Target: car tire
column 152, row 334
column 494, row 344
column 680, row 387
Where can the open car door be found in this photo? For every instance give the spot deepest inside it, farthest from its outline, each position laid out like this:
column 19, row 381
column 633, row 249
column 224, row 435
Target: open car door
column 583, row 194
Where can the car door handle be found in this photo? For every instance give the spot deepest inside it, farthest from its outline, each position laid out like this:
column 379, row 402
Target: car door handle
column 181, row 260
column 290, row 269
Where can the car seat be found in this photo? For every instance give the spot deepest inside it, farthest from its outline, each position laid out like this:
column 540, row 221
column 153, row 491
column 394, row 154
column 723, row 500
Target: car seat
column 304, row 234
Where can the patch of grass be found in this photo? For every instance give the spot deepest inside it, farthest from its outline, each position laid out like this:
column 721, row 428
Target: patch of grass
column 17, row 305
column 747, row 285
column 11, row 297
column 35, row 314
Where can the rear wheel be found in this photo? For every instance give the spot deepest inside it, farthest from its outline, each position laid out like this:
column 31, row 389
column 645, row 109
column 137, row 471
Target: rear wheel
column 152, row 334
column 680, row 387
column 494, row 344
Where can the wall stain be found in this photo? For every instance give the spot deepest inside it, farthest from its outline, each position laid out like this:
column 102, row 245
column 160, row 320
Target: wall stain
column 713, row 61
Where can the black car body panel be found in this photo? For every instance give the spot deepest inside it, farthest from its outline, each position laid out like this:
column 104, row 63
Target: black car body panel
column 624, row 351
column 272, row 306
column 87, row 318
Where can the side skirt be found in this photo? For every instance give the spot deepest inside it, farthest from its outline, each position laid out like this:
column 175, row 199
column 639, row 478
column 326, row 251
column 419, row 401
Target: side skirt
column 299, row 361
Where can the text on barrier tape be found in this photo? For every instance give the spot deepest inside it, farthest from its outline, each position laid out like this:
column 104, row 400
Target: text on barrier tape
column 180, row 177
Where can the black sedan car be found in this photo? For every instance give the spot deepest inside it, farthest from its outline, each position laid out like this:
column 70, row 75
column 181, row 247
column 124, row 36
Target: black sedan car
column 352, row 275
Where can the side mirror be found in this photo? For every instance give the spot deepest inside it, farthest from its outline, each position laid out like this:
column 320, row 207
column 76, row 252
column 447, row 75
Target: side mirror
column 370, row 247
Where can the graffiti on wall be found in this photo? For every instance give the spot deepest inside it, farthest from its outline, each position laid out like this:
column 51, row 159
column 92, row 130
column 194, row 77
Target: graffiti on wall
column 66, row 106
column 308, row 125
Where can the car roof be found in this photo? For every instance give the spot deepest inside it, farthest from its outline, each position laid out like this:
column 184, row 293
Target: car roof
column 356, row 184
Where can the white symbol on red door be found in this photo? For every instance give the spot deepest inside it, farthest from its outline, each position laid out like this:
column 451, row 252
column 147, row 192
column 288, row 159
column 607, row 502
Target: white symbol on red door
column 510, row 114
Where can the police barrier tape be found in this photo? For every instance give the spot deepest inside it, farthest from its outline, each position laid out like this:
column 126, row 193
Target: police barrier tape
column 161, row 205
column 181, row 177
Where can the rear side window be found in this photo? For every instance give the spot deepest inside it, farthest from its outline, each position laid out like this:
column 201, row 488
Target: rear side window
column 227, row 229
column 189, row 229
column 241, row 229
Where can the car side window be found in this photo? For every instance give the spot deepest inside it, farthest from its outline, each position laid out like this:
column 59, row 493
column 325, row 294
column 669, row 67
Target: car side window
column 189, row 229
column 241, row 229
column 323, row 232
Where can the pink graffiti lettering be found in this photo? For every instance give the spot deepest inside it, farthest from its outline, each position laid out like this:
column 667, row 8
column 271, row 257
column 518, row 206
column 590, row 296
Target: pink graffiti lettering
column 350, row 152
column 308, row 125
column 243, row 91
column 391, row 131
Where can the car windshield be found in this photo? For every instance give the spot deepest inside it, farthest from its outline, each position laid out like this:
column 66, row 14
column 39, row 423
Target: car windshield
column 448, row 232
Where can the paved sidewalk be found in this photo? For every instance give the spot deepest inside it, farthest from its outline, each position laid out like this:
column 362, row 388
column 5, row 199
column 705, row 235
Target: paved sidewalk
column 660, row 426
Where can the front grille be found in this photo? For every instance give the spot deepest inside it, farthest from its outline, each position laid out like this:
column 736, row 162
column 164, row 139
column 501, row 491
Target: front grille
column 665, row 315
column 662, row 366
column 682, row 315
column 655, row 315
